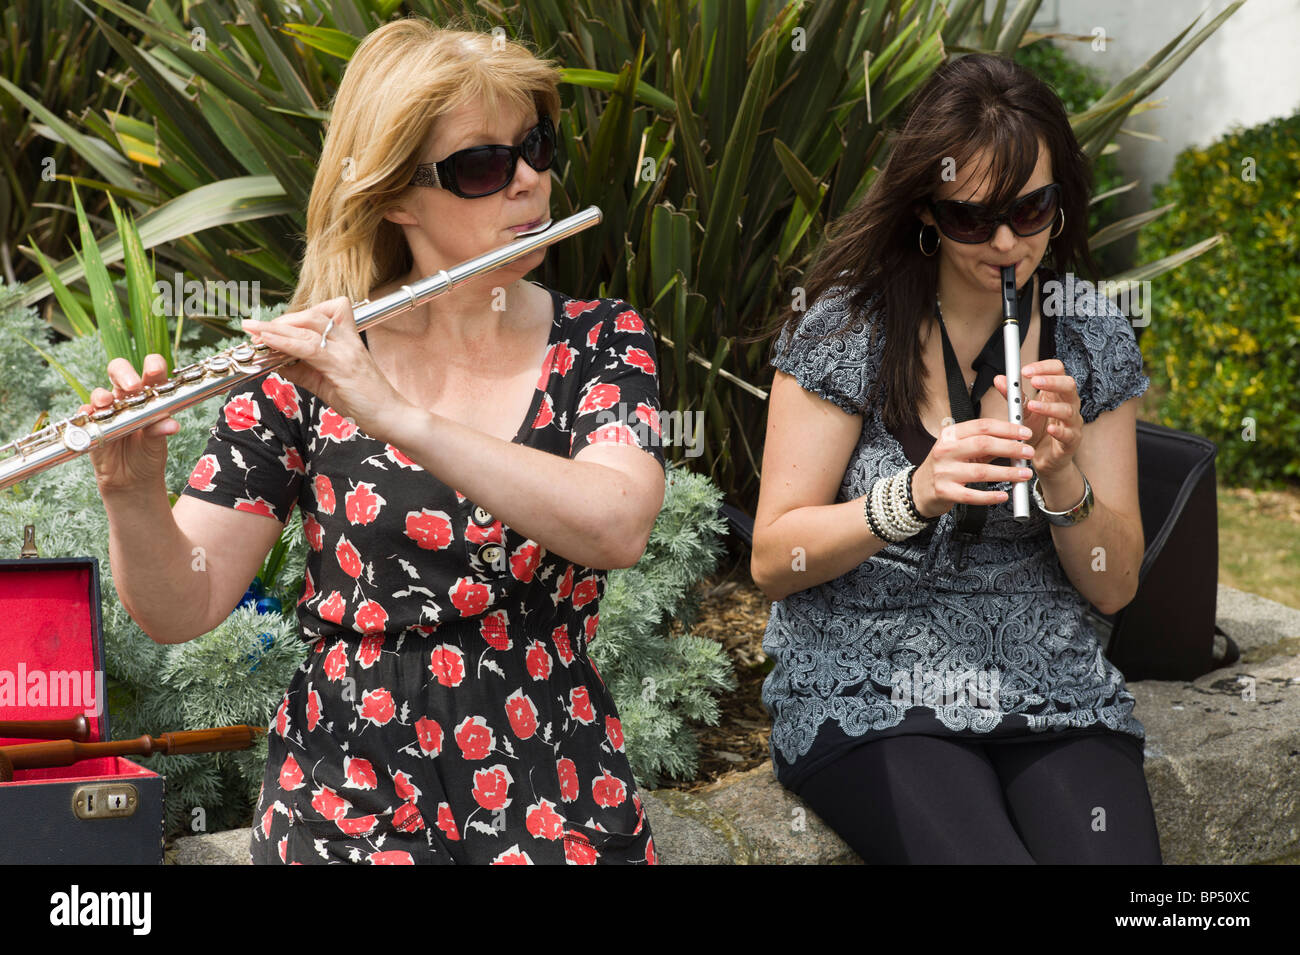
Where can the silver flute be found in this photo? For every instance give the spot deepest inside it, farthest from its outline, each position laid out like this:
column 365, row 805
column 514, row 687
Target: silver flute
column 1015, row 407
column 66, row 439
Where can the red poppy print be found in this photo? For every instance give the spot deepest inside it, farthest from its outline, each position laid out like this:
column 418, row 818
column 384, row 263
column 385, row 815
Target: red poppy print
column 203, row 473
column 492, row 787
column 538, row 661
column 390, row 857
column 575, row 308
column 348, row 559
column 614, row 732
column 628, row 321
column 329, row 803
column 495, row 630
column 469, row 597
column 332, row 608
column 513, row 856
column 407, row 790
column 639, row 358
column 335, row 427
column 587, row 590
column 431, row 530
column 608, row 790
column 524, row 561
column 290, row 774
column 568, row 774
column 599, row 398
column 563, row 649
column 313, row 710
column 336, row 662
column 650, row 416
column 284, row 394
column 377, row 706
column 474, row 737
column 543, row 821
column 359, row 773
column 447, row 822
column 371, row 618
column 546, row 413
column 400, row 459
column 254, row 506
column 476, row 534
column 308, row 589
column 371, row 646
column 324, row 491
column 522, row 713
column 358, row 826
column 429, row 735
column 580, row 705
column 578, row 849
column 408, row 818
column 313, row 532
column 614, row 434
column 447, row 664
column 361, row 505
column 242, row 413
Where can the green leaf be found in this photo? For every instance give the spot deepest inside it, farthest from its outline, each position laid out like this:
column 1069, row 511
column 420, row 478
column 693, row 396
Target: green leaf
column 81, row 322
column 608, row 82
column 108, row 314
column 82, row 392
column 218, row 203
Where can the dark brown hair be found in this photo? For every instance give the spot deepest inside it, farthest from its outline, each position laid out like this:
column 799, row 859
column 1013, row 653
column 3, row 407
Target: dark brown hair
column 973, row 102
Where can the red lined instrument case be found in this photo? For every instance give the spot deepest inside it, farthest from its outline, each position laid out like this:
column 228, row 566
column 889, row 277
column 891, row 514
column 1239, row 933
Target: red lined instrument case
column 107, row 810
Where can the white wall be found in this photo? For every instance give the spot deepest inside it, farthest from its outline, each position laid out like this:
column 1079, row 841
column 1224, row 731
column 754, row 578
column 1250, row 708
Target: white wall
column 1247, row 72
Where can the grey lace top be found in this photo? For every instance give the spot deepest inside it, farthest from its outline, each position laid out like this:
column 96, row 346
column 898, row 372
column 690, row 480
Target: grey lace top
column 908, row 643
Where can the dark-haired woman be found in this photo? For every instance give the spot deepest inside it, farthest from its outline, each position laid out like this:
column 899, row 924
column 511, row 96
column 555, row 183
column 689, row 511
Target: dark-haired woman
column 937, row 693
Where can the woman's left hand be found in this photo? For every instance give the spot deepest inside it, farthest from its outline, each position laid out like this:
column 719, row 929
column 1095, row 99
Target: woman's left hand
column 1053, row 415
column 342, row 374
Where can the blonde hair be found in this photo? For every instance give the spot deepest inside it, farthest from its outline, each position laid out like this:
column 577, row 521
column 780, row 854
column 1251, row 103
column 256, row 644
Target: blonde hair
column 402, row 77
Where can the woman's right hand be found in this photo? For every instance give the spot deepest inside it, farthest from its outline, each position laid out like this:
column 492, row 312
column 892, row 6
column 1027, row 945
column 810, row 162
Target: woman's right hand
column 138, row 460
column 960, row 456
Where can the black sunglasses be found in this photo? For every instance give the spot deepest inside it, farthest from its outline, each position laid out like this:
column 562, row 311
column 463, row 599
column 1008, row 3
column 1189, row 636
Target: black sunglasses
column 483, row 170
column 973, row 223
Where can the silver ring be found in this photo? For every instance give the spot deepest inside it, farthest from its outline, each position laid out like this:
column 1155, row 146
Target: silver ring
column 325, row 334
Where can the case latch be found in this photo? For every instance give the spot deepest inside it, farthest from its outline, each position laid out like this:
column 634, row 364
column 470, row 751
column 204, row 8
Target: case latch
column 105, row 801
column 29, row 542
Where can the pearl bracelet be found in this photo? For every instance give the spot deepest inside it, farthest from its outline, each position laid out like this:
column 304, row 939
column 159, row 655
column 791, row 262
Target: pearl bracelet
column 889, row 509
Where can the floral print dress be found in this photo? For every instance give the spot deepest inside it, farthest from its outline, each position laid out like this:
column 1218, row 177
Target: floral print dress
column 447, row 710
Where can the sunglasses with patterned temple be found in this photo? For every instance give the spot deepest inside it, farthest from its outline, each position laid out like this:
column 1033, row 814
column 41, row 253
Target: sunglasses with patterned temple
column 482, row 170
column 973, row 223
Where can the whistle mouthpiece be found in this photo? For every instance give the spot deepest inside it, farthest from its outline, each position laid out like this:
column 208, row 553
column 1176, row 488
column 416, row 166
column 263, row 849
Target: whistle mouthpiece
column 1008, row 291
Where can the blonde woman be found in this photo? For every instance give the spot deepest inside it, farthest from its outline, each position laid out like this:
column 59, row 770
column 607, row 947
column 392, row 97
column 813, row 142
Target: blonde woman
column 467, row 471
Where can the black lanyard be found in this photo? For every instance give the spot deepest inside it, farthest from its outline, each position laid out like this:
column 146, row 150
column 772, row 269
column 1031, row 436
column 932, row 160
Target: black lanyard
column 964, row 405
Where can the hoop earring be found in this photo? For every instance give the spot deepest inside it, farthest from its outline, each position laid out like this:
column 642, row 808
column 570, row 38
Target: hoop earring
column 921, row 245
column 1058, row 231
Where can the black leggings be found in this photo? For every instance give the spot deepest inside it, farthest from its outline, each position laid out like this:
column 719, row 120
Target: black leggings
column 929, row 799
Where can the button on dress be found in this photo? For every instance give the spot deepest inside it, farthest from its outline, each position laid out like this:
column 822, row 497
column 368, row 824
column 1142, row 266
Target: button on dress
column 448, row 710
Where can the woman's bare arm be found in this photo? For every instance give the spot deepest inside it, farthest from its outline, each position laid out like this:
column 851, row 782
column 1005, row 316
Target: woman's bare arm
column 802, row 538
column 179, row 571
column 1102, row 555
